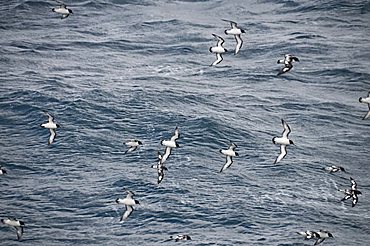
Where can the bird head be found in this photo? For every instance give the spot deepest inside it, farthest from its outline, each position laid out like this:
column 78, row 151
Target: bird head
column 291, row 142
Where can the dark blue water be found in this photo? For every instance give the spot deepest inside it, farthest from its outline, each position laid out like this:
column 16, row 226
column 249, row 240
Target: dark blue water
column 117, row 70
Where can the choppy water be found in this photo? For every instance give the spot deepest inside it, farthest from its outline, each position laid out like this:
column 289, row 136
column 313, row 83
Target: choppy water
column 117, row 70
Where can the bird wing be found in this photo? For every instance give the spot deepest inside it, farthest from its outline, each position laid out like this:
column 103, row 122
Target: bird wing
column 282, row 154
column 218, row 60
column 53, row 134
column 176, row 135
column 286, row 68
column 232, row 146
column 367, row 115
column 286, row 129
column 19, row 230
column 229, row 161
column 232, row 23
column 132, row 148
column 220, row 41
column 65, row 16
column 160, row 174
column 51, row 118
column 127, row 213
column 354, row 199
column 239, row 43
column 129, row 194
column 354, row 184
column 319, row 240
column 166, row 154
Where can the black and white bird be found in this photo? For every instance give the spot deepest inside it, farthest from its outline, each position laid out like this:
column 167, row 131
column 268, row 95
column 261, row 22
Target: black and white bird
column 172, row 142
column 321, row 236
column 62, row 9
column 334, row 169
column 236, row 31
column 133, row 145
column 218, row 49
column 17, row 224
column 352, row 193
column 366, row 100
column 180, row 238
column 284, row 141
column 129, row 202
column 52, row 128
column 160, row 164
column 2, row 170
column 229, row 153
column 308, row 234
column 288, row 63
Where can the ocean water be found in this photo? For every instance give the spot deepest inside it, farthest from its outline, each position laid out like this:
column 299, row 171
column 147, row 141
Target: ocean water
column 117, row 70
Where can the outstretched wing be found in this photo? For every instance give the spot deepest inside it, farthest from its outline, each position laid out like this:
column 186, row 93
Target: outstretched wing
column 220, row 41
column 282, row 154
column 232, row 23
column 239, row 43
column 319, row 240
column 286, row 129
column 176, row 135
column 354, row 184
column 218, row 59
column 127, row 213
column 229, row 161
column 52, row 136
column 19, row 230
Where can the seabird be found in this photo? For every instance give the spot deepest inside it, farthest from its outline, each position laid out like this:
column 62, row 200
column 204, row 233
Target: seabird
column 172, row 142
column 17, row 224
column 160, row 166
column 288, row 63
column 129, row 202
column 236, row 32
column 133, row 145
column 308, row 234
column 283, row 141
column 62, row 9
column 218, row 50
column 366, row 100
column 2, row 170
column 180, row 237
column 352, row 193
column 229, row 153
column 52, row 127
column 322, row 235
column 334, row 169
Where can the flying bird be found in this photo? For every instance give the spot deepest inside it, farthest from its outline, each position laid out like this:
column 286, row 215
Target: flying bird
column 172, row 142
column 366, row 100
column 283, row 141
column 52, row 128
column 62, row 9
column 229, row 153
column 218, row 49
column 288, row 63
column 133, row 145
column 237, row 34
column 17, row 224
column 352, row 193
column 129, row 202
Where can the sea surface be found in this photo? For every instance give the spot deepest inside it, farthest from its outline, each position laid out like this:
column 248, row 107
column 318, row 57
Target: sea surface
column 117, row 70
